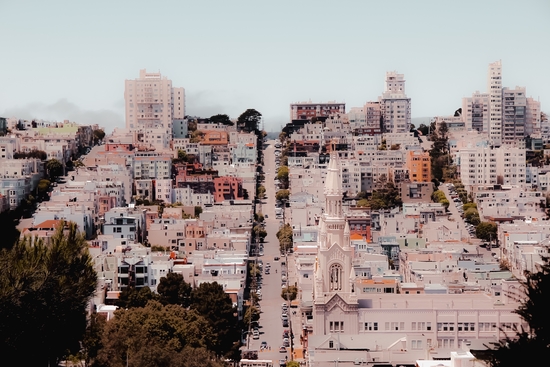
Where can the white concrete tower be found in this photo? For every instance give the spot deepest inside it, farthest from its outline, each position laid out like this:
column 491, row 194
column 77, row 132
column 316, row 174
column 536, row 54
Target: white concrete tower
column 494, row 86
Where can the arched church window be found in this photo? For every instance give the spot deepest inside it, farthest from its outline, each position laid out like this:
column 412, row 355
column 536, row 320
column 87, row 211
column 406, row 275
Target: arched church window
column 335, row 277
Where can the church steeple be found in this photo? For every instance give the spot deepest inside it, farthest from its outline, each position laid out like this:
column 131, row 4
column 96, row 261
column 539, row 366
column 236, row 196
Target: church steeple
column 333, row 185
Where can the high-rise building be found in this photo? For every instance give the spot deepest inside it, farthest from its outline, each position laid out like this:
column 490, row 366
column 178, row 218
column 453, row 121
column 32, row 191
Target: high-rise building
column 475, row 112
column 494, row 86
column 505, row 114
column 395, row 107
column 513, row 116
column 152, row 102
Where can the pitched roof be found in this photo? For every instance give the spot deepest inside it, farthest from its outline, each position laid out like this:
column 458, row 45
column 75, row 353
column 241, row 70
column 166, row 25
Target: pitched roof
column 51, row 223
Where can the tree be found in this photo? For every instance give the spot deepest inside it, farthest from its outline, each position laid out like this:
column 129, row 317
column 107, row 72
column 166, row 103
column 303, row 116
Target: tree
column 260, row 192
column 282, row 194
column 260, row 232
column 249, row 120
column 259, row 217
column 251, row 314
column 40, row 154
column 196, row 136
column 156, row 335
column 98, row 135
column 527, row 347
column 182, row 155
column 440, row 149
column 289, row 293
column 285, row 237
column 44, row 290
column 469, row 206
column 55, row 168
column 363, row 203
column 43, row 188
column 395, row 146
column 221, row 119
column 198, row 211
column 91, row 343
column 470, row 213
column 210, row 301
column 282, row 176
column 132, row 297
column 424, row 129
column 174, row 290
column 487, row 231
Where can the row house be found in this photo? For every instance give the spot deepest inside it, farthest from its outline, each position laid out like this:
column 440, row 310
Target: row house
column 18, row 178
column 126, row 222
column 81, row 213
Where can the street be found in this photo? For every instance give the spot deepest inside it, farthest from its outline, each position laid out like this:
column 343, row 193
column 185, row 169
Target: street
column 271, row 329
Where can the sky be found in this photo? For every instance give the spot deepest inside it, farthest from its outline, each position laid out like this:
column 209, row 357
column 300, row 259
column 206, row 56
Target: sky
column 69, row 59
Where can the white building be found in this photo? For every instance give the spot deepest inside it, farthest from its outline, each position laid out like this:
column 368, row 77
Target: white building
column 494, row 88
column 354, row 324
column 152, row 102
column 395, row 107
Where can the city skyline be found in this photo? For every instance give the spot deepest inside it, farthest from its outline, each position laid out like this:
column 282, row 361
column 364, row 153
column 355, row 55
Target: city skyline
column 71, row 62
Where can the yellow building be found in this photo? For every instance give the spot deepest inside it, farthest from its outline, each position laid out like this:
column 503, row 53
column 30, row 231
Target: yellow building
column 418, row 163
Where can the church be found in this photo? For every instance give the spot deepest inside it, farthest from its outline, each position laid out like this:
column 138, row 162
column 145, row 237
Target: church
column 356, row 323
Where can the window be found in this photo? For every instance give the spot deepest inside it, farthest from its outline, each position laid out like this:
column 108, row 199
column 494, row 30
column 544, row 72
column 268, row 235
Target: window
column 371, row 326
column 416, row 344
column 336, row 326
column 445, row 326
column 335, row 277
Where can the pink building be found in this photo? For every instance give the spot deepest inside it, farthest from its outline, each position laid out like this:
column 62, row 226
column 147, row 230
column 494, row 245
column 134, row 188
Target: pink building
column 152, row 102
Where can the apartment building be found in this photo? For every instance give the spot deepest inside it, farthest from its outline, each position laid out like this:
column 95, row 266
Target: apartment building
column 475, row 111
column 18, row 178
column 308, row 110
column 395, row 107
column 152, row 165
column 477, row 166
column 494, row 88
column 152, row 102
column 419, row 166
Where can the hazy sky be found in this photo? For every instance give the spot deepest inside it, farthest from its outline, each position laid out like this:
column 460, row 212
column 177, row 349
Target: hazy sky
column 69, row 59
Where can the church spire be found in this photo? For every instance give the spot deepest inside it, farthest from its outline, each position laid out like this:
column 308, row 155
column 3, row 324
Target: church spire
column 333, row 185
column 333, row 182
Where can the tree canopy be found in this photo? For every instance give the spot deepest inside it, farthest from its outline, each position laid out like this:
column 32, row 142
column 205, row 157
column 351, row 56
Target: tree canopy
column 289, row 293
column 486, row 231
column 249, row 120
column 55, row 168
column 282, row 194
column 98, row 135
column 285, row 237
column 44, row 290
column 527, row 347
column 174, row 290
column 157, row 335
column 439, row 154
column 384, row 196
column 282, row 176
column 211, row 301
column 221, row 119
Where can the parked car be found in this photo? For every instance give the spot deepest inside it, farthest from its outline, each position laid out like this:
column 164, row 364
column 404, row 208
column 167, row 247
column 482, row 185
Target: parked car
column 282, row 349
